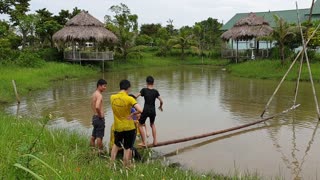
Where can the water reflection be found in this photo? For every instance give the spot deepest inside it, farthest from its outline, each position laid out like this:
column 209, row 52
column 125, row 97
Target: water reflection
column 199, row 100
column 203, row 143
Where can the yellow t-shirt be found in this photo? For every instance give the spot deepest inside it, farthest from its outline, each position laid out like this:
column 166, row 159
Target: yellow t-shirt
column 121, row 104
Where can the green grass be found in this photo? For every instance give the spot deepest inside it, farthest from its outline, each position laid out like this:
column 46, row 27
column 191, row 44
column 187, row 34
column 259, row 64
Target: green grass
column 272, row 69
column 58, row 153
column 150, row 60
column 28, row 79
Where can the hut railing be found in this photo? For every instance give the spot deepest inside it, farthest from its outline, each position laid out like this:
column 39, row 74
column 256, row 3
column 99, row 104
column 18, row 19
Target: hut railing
column 245, row 53
column 88, row 56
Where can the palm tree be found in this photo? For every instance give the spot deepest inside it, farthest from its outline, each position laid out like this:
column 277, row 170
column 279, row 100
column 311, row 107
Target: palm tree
column 282, row 33
column 183, row 40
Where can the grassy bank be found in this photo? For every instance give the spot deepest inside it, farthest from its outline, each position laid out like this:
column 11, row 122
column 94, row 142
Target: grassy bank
column 272, row 69
column 66, row 155
column 148, row 59
column 28, row 79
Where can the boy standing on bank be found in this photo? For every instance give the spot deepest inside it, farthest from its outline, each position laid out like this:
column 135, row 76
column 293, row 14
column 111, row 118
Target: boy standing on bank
column 149, row 110
column 124, row 127
column 98, row 121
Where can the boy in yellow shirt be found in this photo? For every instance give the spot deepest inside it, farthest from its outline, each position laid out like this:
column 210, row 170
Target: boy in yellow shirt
column 124, row 127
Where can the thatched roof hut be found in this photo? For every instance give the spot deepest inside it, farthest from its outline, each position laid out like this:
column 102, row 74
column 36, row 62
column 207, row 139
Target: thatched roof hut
column 84, row 27
column 248, row 28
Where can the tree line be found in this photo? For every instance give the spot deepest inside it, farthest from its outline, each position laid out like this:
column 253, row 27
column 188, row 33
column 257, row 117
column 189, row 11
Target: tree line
column 26, row 30
column 34, row 31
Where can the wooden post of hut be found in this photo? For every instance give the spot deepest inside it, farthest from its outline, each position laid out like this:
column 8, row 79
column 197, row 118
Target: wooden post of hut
column 232, row 48
column 237, row 52
column 257, row 47
column 73, row 50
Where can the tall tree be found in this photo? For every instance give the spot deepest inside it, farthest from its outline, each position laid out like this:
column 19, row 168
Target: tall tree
column 170, row 27
column 150, row 29
column 9, row 41
column 43, row 15
column 62, row 17
column 183, row 40
column 75, row 11
column 27, row 26
column 282, row 33
column 210, row 32
column 50, row 27
column 15, row 9
column 162, row 41
column 199, row 37
column 125, row 26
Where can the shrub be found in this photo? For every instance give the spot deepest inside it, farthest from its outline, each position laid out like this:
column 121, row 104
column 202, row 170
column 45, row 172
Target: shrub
column 50, row 54
column 6, row 52
column 29, row 59
column 144, row 40
column 275, row 53
column 316, row 57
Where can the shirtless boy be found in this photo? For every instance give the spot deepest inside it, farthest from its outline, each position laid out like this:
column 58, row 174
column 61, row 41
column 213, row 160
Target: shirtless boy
column 98, row 114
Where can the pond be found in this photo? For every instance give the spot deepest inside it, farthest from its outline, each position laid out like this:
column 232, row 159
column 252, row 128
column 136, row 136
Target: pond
column 197, row 100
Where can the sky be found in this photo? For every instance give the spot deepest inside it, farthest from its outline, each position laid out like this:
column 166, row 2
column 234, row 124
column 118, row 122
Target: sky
column 182, row 12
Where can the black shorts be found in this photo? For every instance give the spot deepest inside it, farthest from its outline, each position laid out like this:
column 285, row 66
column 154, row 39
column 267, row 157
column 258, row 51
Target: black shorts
column 125, row 138
column 98, row 127
column 145, row 115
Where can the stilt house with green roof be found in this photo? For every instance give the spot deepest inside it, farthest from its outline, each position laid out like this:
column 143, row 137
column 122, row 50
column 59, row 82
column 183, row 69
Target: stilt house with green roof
column 289, row 16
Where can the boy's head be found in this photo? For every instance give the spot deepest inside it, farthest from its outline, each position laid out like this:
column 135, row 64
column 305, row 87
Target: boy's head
column 125, row 85
column 102, row 85
column 150, row 80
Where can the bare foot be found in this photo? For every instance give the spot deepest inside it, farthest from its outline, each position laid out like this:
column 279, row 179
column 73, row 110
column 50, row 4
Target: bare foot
column 155, row 143
column 142, row 144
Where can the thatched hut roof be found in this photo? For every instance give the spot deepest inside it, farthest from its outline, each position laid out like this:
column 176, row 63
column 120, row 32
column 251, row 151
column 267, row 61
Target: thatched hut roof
column 248, row 28
column 84, row 27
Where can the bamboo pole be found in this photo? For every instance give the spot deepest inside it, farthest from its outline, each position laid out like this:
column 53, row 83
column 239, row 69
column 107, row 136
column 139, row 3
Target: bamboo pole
column 175, row 141
column 308, row 64
column 285, row 75
column 15, row 91
column 227, row 136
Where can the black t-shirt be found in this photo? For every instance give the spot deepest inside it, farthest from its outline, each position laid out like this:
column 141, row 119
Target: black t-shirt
column 150, row 96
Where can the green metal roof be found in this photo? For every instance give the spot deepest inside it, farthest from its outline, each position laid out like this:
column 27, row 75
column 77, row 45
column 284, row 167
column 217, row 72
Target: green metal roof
column 288, row 15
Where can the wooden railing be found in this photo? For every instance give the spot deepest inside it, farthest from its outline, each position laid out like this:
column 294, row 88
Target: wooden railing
column 245, row 53
column 88, row 56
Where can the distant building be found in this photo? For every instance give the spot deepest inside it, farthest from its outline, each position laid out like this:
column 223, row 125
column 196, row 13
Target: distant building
column 289, row 16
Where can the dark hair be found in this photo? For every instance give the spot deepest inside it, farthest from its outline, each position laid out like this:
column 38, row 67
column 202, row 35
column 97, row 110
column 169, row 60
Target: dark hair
column 149, row 80
column 125, row 84
column 133, row 96
column 101, row 82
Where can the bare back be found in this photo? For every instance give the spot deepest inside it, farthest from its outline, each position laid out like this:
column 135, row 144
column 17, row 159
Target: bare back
column 97, row 104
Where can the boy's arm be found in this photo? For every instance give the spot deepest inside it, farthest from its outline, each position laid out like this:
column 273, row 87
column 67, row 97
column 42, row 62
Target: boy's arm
column 161, row 103
column 137, row 95
column 138, row 111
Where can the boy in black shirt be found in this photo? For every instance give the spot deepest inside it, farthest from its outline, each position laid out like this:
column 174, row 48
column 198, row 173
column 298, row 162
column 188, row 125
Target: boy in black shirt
column 149, row 110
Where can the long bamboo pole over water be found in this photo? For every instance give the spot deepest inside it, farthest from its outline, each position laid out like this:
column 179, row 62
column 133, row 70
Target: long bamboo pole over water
column 175, row 141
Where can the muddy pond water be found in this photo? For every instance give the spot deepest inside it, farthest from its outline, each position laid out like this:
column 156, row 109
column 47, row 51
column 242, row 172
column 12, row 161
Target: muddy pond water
column 197, row 100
